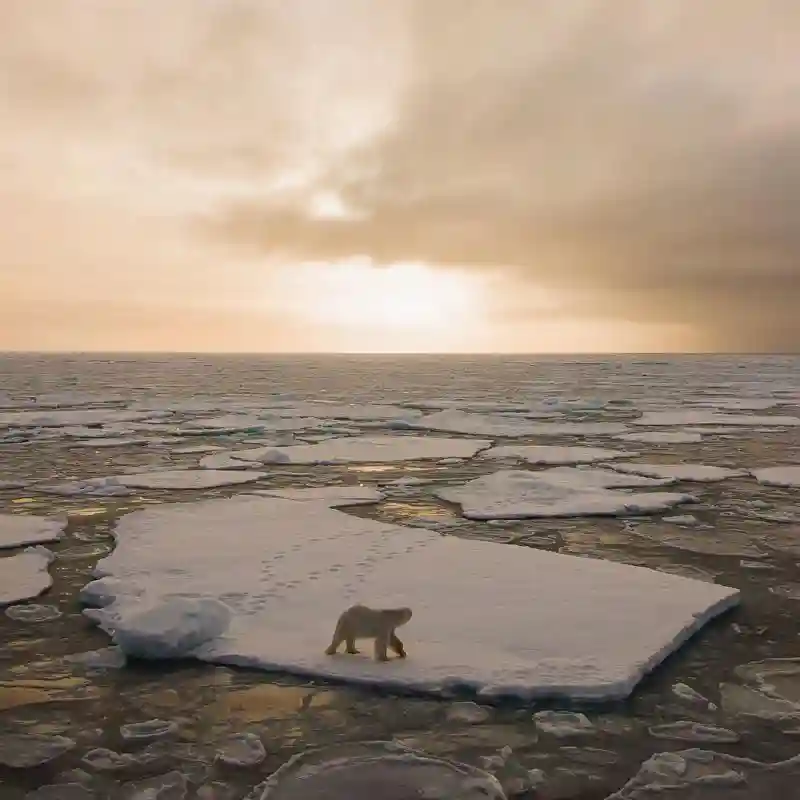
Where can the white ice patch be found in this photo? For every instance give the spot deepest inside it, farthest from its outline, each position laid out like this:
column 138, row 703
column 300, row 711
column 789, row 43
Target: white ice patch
column 662, row 437
column 511, row 425
column 351, row 449
column 189, row 478
column 498, row 618
column 17, row 530
column 778, row 476
column 696, row 473
column 24, row 575
column 57, row 419
column 543, row 454
column 521, row 494
column 696, row 417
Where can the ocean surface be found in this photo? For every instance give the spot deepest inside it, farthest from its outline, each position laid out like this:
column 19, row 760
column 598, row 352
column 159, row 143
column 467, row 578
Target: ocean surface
column 744, row 534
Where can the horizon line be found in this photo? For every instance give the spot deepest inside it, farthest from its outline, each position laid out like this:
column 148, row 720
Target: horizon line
column 318, row 353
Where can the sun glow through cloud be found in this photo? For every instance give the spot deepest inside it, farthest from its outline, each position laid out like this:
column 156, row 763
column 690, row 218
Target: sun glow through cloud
column 391, row 308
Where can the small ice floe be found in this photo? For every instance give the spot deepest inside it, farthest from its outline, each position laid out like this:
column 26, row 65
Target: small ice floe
column 377, row 770
column 555, row 455
column 468, row 712
column 694, row 473
column 189, row 478
column 563, row 723
column 788, row 476
column 242, row 750
column 690, row 731
column 32, row 613
column 25, row 750
column 93, row 487
column 685, row 417
column 17, row 530
column 689, row 695
column 365, row 449
column 705, row 773
column 682, row 519
column 331, row 496
column 510, row 425
column 513, row 494
column 58, row 419
column 662, row 437
column 25, row 575
column 148, row 731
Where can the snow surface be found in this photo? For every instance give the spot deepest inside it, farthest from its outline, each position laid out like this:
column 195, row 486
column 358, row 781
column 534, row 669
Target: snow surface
column 350, row 449
column 698, row 473
column 188, row 478
column 17, row 530
column 778, row 476
column 662, row 437
column 543, row 454
column 24, row 575
column 454, row 421
column 499, row 618
column 698, row 417
column 522, row 494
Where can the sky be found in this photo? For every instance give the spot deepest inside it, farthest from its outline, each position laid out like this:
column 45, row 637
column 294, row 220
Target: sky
column 449, row 176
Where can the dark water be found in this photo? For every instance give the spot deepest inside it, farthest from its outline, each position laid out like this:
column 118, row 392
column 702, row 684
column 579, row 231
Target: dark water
column 752, row 543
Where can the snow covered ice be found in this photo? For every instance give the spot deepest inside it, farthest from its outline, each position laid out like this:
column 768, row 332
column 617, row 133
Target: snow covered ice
column 521, row 494
column 18, row 529
column 259, row 581
column 24, row 575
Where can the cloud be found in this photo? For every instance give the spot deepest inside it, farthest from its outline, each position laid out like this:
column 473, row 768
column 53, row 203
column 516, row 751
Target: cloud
column 642, row 162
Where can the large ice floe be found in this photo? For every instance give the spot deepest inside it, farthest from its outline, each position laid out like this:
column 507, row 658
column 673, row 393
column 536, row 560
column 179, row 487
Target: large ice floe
column 351, row 449
column 24, row 575
column 259, row 582
column 560, row 492
column 18, row 529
